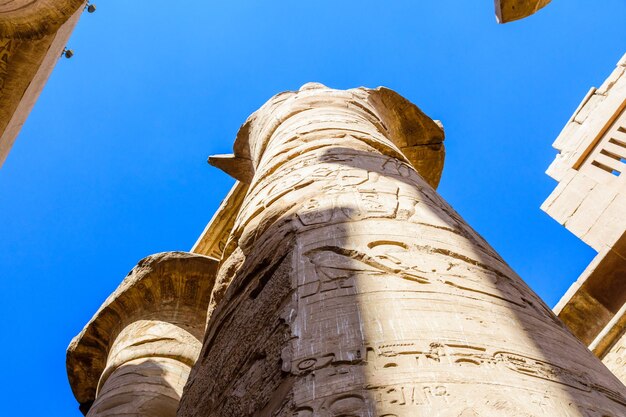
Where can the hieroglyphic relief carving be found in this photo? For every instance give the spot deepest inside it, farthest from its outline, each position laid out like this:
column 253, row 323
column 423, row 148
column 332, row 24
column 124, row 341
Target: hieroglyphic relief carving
column 33, row 34
column 349, row 287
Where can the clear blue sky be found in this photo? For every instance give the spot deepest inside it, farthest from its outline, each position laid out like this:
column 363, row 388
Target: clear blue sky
column 111, row 165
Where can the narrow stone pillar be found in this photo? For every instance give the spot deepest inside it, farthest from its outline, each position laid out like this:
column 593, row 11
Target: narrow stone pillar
column 348, row 287
column 133, row 358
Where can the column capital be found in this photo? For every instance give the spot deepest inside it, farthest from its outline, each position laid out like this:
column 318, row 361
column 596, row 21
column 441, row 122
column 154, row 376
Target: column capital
column 417, row 136
column 170, row 288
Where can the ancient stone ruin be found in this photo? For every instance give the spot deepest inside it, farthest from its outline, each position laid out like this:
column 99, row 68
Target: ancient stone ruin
column 335, row 281
column 590, row 201
column 346, row 286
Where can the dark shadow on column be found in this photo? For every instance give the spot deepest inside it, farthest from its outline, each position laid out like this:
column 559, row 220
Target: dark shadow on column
column 139, row 388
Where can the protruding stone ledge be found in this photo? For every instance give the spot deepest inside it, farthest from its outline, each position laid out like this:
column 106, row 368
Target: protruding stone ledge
column 213, row 239
column 136, row 352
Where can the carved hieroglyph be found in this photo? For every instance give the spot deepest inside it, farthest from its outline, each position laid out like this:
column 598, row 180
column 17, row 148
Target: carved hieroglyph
column 510, row 10
column 133, row 358
column 348, row 287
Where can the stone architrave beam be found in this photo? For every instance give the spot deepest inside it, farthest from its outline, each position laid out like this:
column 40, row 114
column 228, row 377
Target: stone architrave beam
column 349, row 287
column 590, row 201
column 510, row 10
column 134, row 356
column 33, row 33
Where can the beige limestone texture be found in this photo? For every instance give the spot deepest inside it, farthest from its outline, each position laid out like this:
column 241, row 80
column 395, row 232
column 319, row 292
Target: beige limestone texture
column 348, row 287
column 133, row 358
column 615, row 358
column 598, row 296
column 510, row 10
column 590, row 201
column 33, row 34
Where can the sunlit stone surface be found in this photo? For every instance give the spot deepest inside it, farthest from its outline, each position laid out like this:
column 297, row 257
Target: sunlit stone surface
column 133, row 358
column 348, row 287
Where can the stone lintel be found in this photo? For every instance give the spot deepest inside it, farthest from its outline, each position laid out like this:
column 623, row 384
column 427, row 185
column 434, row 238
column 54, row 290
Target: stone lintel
column 168, row 292
column 510, row 10
column 610, row 334
column 592, row 305
column 597, row 112
column 590, row 201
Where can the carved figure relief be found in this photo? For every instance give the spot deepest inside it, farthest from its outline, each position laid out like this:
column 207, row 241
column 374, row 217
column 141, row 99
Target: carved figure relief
column 366, row 293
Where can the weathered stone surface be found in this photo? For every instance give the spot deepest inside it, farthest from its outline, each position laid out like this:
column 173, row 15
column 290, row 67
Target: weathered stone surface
column 33, row 34
column 590, row 201
column 510, row 10
column 212, row 240
column 419, row 138
column 598, row 294
column 28, row 19
column 348, row 287
column 615, row 357
column 134, row 356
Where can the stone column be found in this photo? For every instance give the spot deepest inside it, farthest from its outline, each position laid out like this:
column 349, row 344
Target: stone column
column 33, row 34
column 133, row 358
column 348, row 287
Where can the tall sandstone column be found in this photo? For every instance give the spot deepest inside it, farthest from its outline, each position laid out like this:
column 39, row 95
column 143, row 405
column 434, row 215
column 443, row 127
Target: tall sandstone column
column 348, row 287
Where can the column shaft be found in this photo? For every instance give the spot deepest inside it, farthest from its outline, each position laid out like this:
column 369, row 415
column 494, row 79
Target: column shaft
column 349, row 287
